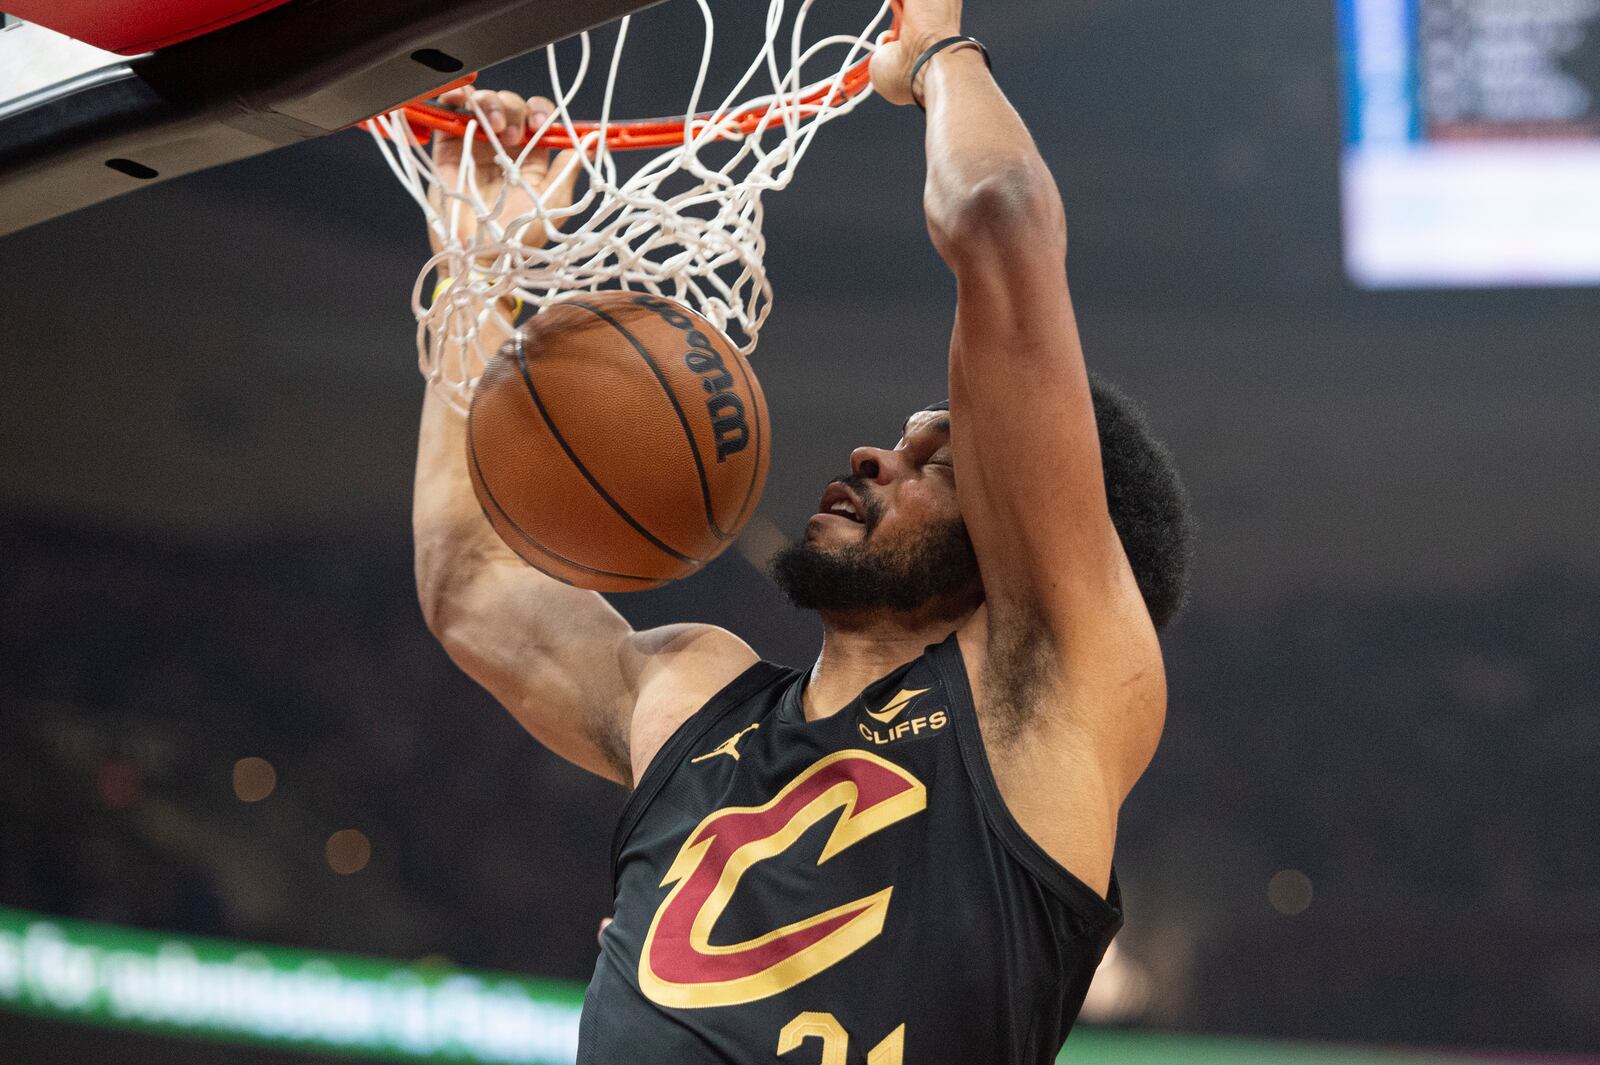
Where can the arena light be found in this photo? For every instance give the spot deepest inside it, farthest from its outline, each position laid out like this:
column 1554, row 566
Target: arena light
column 1289, row 892
column 348, row 851
column 253, row 779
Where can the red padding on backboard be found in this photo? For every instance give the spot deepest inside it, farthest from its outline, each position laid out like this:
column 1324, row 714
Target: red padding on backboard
column 133, row 26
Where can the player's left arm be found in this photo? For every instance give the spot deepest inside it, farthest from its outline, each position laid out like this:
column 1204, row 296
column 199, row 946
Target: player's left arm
column 1060, row 594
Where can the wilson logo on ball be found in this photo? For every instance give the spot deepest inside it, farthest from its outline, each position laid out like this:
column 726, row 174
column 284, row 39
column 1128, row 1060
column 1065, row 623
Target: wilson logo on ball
column 725, row 408
column 588, row 450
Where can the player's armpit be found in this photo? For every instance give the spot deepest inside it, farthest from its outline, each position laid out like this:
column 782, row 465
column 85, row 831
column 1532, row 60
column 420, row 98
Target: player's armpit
column 1032, row 493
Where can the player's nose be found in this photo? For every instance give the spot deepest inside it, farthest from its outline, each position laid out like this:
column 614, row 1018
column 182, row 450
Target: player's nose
column 874, row 464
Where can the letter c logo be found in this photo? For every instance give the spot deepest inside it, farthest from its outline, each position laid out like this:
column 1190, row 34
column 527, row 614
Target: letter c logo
column 679, row 965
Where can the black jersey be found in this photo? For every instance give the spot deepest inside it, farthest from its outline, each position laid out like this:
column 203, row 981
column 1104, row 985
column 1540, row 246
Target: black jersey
column 845, row 890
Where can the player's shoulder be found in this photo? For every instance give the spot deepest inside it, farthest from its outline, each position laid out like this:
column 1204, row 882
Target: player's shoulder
column 680, row 668
column 690, row 657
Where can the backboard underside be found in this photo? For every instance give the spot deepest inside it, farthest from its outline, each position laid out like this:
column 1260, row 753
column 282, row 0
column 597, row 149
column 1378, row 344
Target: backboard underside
column 298, row 71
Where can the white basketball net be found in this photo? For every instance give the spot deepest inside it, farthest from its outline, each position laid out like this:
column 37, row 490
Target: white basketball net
column 672, row 224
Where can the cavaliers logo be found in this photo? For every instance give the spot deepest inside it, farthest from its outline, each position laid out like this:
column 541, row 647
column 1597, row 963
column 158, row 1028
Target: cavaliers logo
column 681, row 967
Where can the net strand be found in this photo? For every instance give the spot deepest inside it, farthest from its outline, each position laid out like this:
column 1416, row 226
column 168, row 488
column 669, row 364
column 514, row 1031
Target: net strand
column 673, row 224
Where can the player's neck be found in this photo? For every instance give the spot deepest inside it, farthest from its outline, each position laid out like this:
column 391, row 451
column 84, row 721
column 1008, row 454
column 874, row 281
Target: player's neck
column 859, row 649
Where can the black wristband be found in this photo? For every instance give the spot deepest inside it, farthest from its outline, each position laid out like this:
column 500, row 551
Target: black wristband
column 934, row 49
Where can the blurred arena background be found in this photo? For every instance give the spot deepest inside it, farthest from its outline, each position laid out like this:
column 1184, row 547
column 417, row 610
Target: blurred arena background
column 1375, row 817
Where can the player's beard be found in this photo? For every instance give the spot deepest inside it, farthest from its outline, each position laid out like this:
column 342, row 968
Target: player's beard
column 937, row 563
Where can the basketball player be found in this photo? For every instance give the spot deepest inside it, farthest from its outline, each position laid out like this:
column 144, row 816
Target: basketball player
column 903, row 854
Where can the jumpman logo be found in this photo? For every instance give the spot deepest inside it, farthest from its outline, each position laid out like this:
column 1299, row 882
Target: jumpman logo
column 729, row 746
column 892, row 708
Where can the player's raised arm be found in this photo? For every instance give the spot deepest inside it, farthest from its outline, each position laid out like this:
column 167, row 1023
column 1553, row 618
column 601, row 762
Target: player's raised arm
column 1026, row 449
column 560, row 659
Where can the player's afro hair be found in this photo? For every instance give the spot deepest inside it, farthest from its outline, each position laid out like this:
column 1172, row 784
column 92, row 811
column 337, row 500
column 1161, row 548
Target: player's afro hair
column 1148, row 503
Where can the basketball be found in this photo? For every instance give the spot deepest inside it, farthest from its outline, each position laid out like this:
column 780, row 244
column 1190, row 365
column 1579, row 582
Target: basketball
column 619, row 442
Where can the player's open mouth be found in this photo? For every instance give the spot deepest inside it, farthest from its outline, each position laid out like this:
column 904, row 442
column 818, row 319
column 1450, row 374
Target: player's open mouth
column 840, row 502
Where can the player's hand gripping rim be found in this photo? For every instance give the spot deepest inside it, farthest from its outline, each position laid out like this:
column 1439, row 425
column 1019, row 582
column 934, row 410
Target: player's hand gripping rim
column 921, row 23
column 546, row 182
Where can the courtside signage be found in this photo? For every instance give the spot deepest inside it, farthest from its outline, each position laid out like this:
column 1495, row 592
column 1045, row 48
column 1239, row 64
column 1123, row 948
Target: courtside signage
column 365, row 1007
column 241, row 992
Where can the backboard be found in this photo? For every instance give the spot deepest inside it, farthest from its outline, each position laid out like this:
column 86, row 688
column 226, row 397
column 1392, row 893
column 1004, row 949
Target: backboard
column 85, row 122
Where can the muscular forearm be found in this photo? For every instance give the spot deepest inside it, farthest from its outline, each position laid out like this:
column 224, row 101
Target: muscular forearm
column 452, row 538
column 985, row 175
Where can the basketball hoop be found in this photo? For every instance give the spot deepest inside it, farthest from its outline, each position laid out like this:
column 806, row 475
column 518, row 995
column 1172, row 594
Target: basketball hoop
column 675, row 224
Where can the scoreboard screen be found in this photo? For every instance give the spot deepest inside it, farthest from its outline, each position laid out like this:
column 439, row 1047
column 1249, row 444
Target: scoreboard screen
column 1472, row 142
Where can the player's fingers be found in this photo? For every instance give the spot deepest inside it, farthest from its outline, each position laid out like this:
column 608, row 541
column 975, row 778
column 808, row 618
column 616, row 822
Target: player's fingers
column 539, row 110
column 490, row 104
column 447, row 146
column 601, row 933
column 515, row 110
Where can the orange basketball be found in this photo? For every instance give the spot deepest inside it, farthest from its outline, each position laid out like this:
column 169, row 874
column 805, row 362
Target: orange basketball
column 619, row 442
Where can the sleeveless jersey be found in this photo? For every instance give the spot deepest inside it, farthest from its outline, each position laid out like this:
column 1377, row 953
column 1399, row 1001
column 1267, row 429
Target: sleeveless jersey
column 849, row 890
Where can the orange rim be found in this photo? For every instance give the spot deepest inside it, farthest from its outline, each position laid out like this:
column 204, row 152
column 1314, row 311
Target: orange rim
column 426, row 118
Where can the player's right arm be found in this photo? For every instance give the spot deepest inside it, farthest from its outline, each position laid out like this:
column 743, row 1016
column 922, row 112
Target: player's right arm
column 566, row 665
